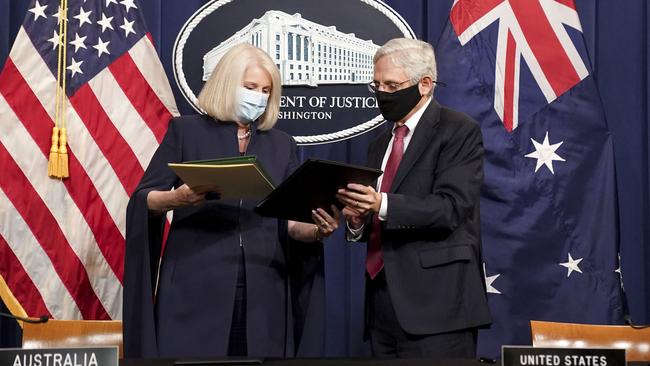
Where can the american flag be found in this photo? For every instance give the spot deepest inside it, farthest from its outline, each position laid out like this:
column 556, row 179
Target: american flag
column 548, row 204
column 62, row 240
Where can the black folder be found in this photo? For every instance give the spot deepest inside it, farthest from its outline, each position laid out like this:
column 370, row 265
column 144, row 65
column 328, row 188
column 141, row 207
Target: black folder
column 313, row 185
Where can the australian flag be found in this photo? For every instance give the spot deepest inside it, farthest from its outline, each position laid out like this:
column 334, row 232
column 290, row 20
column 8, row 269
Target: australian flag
column 548, row 205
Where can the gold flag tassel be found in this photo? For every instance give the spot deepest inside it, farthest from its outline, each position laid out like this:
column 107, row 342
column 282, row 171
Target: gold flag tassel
column 63, row 154
column 53, row 163
column 58, row 164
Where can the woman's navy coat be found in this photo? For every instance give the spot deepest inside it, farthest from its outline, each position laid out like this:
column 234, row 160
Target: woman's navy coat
column 195, row 297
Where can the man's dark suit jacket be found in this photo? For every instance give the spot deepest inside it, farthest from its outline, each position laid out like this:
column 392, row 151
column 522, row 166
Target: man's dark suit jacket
column 431, row 240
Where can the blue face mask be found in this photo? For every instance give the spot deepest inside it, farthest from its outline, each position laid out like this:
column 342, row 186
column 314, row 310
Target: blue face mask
column 252, row 105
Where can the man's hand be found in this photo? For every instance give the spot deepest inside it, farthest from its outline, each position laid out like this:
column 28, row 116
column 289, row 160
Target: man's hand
column 360, row 201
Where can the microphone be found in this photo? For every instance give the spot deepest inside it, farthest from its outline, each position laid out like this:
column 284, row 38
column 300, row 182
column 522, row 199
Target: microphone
column 40, row 319
column 628, row 321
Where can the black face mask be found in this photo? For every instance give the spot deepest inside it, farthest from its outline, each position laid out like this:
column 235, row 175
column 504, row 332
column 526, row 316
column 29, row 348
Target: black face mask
column 395, row 106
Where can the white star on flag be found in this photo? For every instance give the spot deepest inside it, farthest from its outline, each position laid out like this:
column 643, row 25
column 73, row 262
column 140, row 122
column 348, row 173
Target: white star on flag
column 128, row 27
column 105, row 22
column 78, row 42
column 101, row 47
column 572, row 265
column 75, row 67
column 128, row 4
column 55, row 40
column 109, row 2
column 38, row 10
column 545, row 153
column 83, row 17
column 488, row 282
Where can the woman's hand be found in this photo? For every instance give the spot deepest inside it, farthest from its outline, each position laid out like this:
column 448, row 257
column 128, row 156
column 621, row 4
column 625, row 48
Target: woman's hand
column 325, row 223
column 186, row 196
column 160, row 202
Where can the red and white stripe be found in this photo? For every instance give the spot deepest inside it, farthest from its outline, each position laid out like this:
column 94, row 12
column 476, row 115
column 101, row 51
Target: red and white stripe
column 62, row 241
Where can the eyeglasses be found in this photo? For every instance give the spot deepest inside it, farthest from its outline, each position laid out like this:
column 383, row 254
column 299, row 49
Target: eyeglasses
column 390, row 87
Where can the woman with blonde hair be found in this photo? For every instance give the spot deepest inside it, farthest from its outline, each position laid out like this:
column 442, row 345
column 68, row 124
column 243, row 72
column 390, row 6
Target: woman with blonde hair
column 223, row 285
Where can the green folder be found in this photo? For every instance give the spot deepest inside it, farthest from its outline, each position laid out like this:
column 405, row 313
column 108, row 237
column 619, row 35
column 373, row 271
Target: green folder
column 233, row 177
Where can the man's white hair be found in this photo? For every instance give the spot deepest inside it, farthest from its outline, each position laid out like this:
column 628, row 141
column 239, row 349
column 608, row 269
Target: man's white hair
column 415, row 57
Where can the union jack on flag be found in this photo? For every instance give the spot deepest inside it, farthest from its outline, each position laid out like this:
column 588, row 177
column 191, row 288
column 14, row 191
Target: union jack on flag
column 530, row 31
column 548, row 204
column 62, row 241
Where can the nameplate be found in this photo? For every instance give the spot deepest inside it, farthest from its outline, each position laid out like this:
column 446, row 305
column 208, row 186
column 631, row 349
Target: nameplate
column 100, row 356
column 533, row 356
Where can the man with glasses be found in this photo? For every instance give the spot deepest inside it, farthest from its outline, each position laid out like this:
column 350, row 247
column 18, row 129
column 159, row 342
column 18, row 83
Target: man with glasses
column 425, row 292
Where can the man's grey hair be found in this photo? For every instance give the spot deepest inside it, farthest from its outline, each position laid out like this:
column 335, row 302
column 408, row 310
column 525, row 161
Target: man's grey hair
column 415, row 57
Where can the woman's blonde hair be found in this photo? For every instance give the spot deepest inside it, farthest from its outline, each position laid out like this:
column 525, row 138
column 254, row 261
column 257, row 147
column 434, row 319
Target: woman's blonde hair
column 219, row 96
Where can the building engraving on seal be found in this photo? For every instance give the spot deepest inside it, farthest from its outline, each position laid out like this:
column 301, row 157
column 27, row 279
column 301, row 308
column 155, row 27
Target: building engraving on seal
column 307, row 53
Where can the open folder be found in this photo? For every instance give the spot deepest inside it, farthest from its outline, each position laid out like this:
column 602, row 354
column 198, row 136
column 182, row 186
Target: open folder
column 237, row 177
column 313, row 185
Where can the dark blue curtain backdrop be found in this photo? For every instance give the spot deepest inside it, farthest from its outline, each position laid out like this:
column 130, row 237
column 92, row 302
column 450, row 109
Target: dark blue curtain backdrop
column 617, row 34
